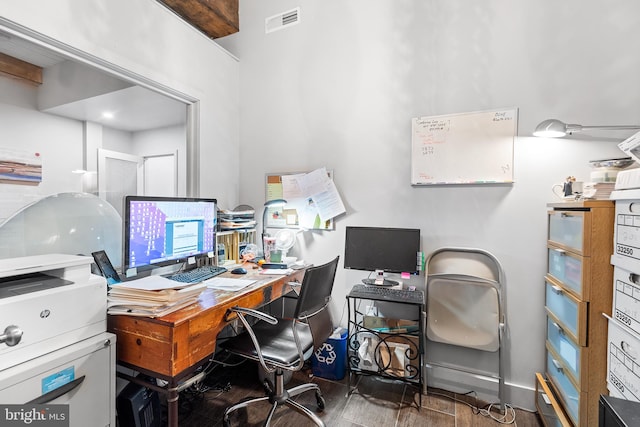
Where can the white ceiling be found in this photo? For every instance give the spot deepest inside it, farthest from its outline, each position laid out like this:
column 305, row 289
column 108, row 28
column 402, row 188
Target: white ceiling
column 134, row 108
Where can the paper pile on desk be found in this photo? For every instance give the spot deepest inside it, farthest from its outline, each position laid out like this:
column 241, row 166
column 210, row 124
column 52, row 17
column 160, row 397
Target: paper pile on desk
column 152, row 296
column 598, row 190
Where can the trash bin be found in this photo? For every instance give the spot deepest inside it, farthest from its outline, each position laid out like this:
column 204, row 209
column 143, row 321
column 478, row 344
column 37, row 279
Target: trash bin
column 330, row 359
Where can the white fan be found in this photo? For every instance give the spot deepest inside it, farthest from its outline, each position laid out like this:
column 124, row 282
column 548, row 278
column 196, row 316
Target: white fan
column 285, row 239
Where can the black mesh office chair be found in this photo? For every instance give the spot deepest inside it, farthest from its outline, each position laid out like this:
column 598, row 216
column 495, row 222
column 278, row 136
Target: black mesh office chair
column 279, row 344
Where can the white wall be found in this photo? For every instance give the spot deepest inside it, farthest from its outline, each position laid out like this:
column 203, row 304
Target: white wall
column 58, row 140
column 340, row 88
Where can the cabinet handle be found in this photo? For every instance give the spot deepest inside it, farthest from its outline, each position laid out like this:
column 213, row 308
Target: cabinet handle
column 564, row 215
column 633, row 278
column 557, row 365
column 60, row 391
column 557, row 289
column 560, row 251
column 559, row 328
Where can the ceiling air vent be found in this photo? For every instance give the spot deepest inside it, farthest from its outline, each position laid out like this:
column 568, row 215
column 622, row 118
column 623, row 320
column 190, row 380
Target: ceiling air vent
column 282, row 20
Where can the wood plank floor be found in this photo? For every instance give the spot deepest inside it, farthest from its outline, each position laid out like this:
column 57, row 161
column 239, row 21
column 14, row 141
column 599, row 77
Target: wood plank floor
column 375, row 403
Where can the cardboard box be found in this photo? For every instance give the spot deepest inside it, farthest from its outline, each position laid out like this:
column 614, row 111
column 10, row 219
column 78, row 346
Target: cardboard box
column 626, row 235
column 393, row 358
column 626, row 298
column 623, row 361
column 383, row 324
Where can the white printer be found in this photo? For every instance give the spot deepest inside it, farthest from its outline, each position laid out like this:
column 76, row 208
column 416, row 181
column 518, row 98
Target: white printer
column 54, row 347
column 48, row 302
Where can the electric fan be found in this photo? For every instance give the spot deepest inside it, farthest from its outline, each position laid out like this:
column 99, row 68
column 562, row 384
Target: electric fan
column 285, row 239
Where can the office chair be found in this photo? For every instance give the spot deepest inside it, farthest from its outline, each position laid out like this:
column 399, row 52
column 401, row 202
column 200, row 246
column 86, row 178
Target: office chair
column 285, row 344
column 465, row 306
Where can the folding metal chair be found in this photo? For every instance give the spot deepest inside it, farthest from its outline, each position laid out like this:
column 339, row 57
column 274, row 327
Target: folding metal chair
column 465, row 306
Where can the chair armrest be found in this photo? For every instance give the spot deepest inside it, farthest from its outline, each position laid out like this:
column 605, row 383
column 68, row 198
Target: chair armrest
column 255, row 313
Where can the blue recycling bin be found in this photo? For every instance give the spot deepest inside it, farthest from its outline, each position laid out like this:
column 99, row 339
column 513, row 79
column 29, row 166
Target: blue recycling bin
column 330, row 359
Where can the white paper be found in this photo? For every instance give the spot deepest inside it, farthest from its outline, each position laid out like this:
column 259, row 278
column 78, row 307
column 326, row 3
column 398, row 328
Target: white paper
column 291, row 188
column 151, row 283
column 313, row 182
column 228, row 284
column 275, row 271
column 328, row 202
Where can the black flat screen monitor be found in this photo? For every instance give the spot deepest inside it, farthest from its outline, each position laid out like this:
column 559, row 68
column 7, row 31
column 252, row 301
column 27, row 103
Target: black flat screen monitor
column 393, row 250
column 160, row 231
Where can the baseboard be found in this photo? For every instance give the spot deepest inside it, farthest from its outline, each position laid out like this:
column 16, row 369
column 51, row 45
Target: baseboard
column 486, row 389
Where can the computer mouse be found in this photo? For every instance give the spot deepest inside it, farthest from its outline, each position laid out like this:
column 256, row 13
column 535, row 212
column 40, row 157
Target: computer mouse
column 239, row 270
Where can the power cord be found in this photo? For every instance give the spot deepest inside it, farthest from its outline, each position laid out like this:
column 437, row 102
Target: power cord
column 509, row 416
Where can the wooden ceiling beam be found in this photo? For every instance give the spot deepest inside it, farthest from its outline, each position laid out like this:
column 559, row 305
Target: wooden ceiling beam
column 215, row 18
column 16, row 68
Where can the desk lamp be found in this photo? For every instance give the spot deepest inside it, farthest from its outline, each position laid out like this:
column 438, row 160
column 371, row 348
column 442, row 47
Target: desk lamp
column 267, row 205
column 552, row 128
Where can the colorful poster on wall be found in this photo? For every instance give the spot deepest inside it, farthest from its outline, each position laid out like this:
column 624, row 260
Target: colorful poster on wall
column 20, row 167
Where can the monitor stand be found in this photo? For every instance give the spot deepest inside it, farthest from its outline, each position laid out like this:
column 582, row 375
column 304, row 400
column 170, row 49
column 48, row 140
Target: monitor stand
column 386, row 282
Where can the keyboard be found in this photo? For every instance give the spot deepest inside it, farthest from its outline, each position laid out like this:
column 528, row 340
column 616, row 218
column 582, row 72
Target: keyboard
column 381, row 293
column 198, row 274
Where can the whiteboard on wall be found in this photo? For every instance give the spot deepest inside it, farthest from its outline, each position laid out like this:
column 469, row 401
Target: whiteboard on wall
column 465, row 148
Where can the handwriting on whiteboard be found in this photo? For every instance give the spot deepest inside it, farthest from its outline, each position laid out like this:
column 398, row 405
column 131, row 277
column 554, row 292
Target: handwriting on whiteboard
column 474, row 147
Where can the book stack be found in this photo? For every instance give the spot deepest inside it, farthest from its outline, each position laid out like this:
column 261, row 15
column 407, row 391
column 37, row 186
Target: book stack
column 236, row 220
column 152, row 296
column 598, row 190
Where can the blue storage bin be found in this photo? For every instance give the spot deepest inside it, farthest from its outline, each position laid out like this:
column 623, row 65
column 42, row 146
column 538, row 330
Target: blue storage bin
column 330, row 359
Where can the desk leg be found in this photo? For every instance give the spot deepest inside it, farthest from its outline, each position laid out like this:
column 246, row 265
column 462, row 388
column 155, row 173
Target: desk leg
column 172, row 406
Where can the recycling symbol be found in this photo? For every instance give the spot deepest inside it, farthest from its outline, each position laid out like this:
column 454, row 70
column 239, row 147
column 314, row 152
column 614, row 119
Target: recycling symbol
column 330, row 356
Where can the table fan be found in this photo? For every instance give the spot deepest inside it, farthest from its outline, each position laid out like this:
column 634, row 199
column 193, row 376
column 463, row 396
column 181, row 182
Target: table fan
column 285, row 239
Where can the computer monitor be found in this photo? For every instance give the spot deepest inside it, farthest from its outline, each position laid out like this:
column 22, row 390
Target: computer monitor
column 392, row 250
column 160, row 231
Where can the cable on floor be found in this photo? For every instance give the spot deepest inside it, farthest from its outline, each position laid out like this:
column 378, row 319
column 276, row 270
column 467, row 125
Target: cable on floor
column 509, row 416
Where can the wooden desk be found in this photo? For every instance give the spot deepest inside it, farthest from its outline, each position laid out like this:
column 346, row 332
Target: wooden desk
column 174, row 346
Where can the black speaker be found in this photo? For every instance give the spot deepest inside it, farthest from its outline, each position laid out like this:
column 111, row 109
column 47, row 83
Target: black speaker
column 138, row 406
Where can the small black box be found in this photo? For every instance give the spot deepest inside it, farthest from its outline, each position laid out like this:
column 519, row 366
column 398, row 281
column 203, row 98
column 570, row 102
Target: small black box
column 138, row 406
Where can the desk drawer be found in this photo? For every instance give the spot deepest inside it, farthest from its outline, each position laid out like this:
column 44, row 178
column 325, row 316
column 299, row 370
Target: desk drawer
column 568, row 268
column 567, row 351
column 568, row 311
column 567, row 230
column 549, row 408
column 572, row 398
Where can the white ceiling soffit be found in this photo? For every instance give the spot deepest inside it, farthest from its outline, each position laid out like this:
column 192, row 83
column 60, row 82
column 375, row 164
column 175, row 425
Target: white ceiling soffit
column 282, row 20
column 28, row 52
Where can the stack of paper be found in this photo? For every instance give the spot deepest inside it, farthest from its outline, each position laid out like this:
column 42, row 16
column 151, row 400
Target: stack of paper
column 234, row 220
column 152, row 296
column 597, row 190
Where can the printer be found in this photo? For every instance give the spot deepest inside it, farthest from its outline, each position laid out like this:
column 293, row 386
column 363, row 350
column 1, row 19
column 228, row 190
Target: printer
column 54, row 347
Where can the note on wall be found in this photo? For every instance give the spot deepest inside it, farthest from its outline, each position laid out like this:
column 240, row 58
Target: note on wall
column 466, row 148
column 312, row 200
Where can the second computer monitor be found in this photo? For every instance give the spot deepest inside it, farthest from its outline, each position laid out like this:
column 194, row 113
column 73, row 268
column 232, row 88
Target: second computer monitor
column 393, row 250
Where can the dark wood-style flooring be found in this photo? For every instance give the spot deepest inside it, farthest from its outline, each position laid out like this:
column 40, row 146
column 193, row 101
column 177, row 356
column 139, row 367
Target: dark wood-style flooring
column 376, row 402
